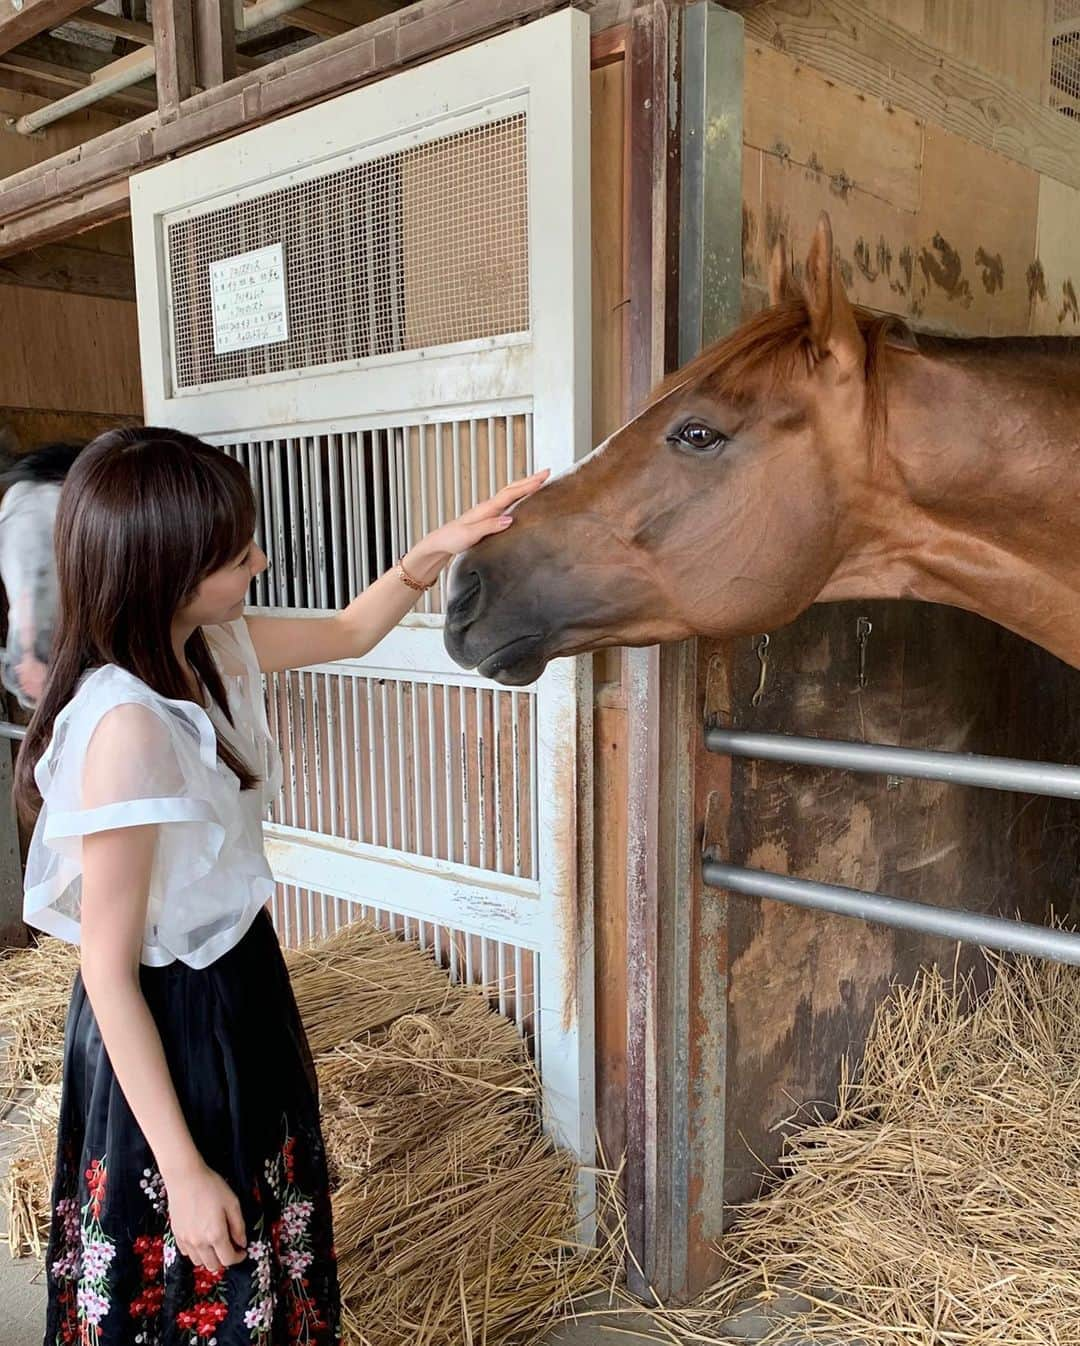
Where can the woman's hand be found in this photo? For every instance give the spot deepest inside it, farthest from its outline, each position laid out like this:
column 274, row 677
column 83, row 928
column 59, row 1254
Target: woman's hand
column 491, row 516
column 426, row 560
column 206, row 1219
column 297, row 642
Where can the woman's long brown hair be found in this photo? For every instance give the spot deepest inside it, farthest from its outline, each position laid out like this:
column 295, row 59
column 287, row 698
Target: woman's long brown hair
column 144, row 516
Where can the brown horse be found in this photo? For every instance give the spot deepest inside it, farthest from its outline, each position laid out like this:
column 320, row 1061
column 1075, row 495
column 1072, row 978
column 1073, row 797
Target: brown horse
column 817, row 453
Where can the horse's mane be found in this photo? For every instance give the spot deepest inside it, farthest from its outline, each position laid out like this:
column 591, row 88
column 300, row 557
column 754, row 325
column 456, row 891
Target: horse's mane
column 46, row 463
column 772, row 344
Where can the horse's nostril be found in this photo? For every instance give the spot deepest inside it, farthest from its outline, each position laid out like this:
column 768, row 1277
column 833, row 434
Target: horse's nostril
column 466, row 599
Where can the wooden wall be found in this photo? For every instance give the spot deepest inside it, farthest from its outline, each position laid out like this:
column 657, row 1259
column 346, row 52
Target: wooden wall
column 932, row 223
column 71, row 365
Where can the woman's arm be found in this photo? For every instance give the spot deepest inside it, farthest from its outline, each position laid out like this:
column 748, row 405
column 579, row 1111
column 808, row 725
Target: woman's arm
column 295, row 642
column 117, row 868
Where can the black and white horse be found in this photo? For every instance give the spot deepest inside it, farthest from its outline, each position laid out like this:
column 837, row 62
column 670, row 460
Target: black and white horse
column 27, row 564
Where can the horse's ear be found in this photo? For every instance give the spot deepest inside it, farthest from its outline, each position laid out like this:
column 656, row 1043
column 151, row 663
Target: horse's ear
column 833, row 329
column 781, row 285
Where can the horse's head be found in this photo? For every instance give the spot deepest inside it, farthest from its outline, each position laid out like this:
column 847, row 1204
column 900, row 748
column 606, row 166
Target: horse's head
column 27, row 566
column 722, row 509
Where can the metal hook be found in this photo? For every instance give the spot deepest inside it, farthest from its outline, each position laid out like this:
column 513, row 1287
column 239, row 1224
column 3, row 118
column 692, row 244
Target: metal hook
column 762, row 651
column 864, row 629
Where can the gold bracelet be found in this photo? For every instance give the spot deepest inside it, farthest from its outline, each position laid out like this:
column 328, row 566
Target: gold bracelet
column 406, row 579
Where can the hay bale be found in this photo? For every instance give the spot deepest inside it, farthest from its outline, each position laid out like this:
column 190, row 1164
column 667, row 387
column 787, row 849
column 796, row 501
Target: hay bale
column 35, row 987
column 455, row 1218
column 942, row 1204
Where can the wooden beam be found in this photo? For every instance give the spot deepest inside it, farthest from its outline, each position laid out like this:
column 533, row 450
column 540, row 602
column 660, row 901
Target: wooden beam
column 215, row 42
column 311, row 21
column 23, row 19
column 113, row 25
column 64, row 219
column 75, row 270
column 846, row 41
column 174, row 43
column 424, row 30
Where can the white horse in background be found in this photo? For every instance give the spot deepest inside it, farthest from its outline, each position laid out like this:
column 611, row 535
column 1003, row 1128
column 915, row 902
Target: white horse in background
column 27, row 564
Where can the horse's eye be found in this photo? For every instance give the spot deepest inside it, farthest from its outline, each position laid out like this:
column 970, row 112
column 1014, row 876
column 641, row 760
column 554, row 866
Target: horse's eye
column 698, row 436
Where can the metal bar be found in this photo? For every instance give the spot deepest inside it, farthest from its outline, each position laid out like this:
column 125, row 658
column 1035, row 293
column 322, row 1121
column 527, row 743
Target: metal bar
column 992, row 773
column 121, row 74
column 15, row 731
column 989, row 932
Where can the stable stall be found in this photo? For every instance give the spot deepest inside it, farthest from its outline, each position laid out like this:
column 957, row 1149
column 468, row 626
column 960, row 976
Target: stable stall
column 470, row 236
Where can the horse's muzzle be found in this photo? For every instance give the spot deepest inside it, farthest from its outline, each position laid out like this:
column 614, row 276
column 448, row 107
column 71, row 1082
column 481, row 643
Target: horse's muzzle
column 500, row 649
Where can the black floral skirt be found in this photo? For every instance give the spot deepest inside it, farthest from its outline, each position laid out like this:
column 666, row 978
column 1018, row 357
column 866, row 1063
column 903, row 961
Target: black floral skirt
column 243, row 1072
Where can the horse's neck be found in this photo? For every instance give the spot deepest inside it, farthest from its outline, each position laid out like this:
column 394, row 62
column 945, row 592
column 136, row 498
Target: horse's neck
column 974, row 500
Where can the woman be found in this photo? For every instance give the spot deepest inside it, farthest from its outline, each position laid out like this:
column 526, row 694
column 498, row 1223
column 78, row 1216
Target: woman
column 190, row 1205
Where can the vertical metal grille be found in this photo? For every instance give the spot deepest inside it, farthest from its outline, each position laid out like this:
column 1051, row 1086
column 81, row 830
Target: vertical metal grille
column 423, row 247
column 509, row 974
column 335, row 511
column 432, row 769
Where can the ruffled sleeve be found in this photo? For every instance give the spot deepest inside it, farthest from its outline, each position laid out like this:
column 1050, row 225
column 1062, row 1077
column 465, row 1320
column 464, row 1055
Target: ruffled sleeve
column 122, row 758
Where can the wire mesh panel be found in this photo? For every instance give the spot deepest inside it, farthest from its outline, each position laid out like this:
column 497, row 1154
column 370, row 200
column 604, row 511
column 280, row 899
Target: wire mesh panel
column 508, row 974
column 1064, row 76
column 426, row 246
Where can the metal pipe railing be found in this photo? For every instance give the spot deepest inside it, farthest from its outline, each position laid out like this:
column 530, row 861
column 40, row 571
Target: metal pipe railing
column 992, row 773
column 14, row 731
column 110, row 79
column 989, row 932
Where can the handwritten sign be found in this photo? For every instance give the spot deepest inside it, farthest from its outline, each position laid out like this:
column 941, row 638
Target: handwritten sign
column 248, row 300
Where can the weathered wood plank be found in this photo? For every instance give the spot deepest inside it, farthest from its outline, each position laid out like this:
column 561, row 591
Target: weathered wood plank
column 215, row 42
column 845, row 41
column 998, row 36
column 18, row 22
column 66, row 217
column 72, row 269
column 174, row 44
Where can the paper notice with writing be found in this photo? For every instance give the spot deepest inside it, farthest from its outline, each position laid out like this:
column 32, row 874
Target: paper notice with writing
column 248, row 300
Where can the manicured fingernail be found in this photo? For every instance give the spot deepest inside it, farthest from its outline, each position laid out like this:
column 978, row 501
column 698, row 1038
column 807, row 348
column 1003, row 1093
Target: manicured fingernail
column 505, row 520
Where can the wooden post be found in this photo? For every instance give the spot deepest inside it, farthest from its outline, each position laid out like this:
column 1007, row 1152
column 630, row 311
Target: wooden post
column 174, row 44
column 215, row 42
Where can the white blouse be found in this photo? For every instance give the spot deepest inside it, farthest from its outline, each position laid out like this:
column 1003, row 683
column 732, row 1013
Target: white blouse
column 121, row 756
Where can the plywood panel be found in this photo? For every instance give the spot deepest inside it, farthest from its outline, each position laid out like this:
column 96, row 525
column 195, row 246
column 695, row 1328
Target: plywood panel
column 30, row 427
column 1002, row 37
column 874, row 241
column 851, row 138
column 976, row 237
column 849, row 43
column 1054, row 276
column 69, row 353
